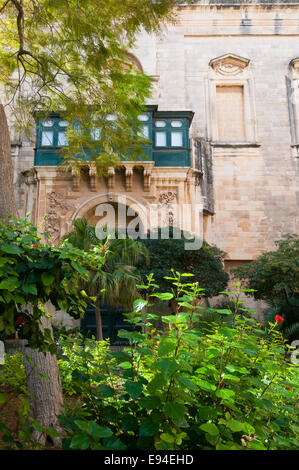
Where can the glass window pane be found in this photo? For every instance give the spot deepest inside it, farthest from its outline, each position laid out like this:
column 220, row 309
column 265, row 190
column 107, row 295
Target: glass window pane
column 177, row 139
column 160, row 123
column 176, row 123
column 62, row 139
column 111, row 117
column 143, row 117
column 144, row 132
column 63, row 123
column 160, row 139
column 47, row 138
column 96, row 134
column 48, row 123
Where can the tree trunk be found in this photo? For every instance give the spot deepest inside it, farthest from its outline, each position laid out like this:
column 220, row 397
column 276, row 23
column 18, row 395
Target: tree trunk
column 47, row 399
column 98, row 321
column 7, row 198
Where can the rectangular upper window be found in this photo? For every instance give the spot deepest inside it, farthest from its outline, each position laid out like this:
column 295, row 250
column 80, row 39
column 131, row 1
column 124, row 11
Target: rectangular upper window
column 230, row 113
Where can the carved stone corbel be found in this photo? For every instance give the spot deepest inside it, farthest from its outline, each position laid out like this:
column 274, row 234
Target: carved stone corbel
column 76, row 178
column 93, row 176
column 129, row 178
column 111, row 178
column 147, row 172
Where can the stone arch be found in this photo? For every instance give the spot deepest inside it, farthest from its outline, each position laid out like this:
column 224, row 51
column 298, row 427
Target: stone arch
column 135, row 61
column 140, row 208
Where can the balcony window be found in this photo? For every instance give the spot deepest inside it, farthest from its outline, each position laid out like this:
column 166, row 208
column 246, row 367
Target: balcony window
column 47, row 138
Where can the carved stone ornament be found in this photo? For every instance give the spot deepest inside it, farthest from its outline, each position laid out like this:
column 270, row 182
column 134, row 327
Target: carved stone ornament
column 57, row 208
column 165, row 202
column 167, row 198
column 229, row 64
column 295, row 66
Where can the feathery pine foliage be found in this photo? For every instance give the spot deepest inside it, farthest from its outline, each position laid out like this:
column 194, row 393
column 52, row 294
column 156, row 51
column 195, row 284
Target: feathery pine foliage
column 70, row 57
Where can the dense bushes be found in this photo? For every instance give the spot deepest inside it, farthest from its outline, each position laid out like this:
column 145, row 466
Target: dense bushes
column 183, row 388
column 274, row 277
column 206, row 263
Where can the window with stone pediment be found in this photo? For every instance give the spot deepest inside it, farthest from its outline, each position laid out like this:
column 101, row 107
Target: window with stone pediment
column 231, row 104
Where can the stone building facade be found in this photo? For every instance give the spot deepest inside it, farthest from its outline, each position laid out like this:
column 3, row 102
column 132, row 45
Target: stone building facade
column 235, row 65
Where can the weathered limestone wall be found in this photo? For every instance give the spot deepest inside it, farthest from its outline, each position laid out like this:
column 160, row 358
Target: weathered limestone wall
column 255, row 186
column 254, row 183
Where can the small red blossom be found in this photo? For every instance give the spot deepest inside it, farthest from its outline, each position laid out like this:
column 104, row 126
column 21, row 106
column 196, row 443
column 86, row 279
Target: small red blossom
column 281, row 337
column 288, row 388
column 70, row 334
column 34, row 246
column 262, row 324
column 279, row 319
column 20, row 321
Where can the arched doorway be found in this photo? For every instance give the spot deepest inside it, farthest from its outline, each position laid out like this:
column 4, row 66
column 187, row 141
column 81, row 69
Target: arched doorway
column 120, row 216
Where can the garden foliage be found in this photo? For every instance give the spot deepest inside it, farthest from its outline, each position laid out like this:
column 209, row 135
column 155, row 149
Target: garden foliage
column 181, row 387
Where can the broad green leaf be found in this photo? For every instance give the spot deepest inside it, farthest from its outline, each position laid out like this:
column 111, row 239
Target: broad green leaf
column 80, row 442
column 235, row 426
column 167, row 366
column 174, row 410
column 30, row 289
column 133, row 388
column 207, row 413
column 210, row 428
column 163, row 296
column 205, row 385
column 47, row 278
column 166, row 346
column 225, row 394
column 148, row 427
column 10, row 248
column 9, row 284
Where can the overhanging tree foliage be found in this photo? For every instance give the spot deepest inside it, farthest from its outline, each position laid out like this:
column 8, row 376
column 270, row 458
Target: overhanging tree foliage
column 70, row 57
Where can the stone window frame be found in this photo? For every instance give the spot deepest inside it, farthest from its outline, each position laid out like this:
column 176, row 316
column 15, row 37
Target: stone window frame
column 231, row 70
column 293, row 99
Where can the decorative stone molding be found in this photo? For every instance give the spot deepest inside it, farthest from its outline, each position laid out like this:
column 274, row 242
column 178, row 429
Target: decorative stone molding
column 76, row 178
column 294, row 64
column 165, row 201
column 93, row 176
column 57, row 208
column 147, row 179
column 129, row 177
column 229, row 64
column 167, row 198
column 111, row 178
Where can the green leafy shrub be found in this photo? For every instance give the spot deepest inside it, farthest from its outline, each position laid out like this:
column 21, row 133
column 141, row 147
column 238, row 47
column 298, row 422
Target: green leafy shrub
column 12, row 373
column 77, row 354
column 33, row 273
column 274, row 277
column 184, row 388
column 206, row 264
column 16, row 422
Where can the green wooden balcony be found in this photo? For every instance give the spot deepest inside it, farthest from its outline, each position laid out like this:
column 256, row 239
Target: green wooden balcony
column 167, row 130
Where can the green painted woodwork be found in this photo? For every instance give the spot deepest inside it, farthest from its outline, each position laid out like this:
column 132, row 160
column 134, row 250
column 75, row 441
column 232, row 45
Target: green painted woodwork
column 168, row 131
column 112, row 321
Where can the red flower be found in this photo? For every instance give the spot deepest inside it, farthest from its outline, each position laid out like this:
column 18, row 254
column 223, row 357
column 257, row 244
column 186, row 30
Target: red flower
column 262, row 324
column 288, row 388
column 279, row 319
column 34, row 246
column 20, row 321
